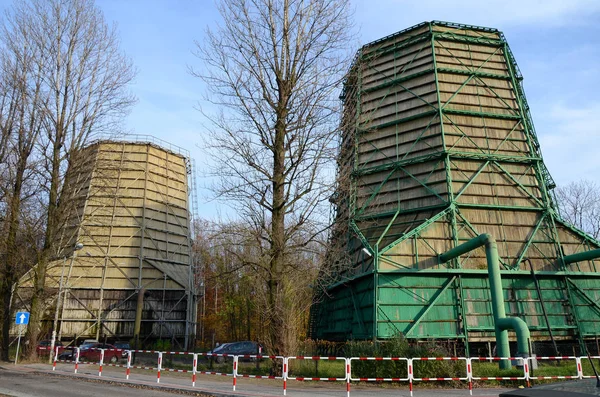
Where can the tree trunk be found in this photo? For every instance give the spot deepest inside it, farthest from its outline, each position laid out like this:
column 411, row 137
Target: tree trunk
column 38, row 297
column 9, row 273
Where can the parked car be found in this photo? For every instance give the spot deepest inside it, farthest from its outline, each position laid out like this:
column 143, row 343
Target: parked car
column 124, row 346
column 88, row 342
column 91, row 353
column 43, row 348
column 237, row 349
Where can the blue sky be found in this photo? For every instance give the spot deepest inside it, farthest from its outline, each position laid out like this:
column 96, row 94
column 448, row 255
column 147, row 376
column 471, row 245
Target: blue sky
column 556, row 44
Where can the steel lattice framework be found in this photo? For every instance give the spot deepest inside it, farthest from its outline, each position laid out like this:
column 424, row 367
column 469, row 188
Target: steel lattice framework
column 127, row 203
column 438, row 146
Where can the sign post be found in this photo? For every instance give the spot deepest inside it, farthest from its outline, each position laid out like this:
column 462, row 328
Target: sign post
column 22, row 318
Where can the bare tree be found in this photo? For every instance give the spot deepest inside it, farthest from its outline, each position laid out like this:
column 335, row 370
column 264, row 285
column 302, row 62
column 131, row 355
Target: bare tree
column 20, row 123
column 273, row 69
column 579, row 204
column 83, row 91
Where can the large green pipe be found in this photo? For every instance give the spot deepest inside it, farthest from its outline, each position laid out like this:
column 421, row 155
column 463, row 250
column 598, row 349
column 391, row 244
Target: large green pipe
column 501, row 323
column 582, row 256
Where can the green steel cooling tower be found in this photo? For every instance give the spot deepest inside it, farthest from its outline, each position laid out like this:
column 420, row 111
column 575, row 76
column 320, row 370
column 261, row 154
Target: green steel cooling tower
column 438, row 147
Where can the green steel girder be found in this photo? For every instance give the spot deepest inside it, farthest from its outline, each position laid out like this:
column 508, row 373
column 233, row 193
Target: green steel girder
column 574, row 314
column 424, row 36
column 502, row 207
column 430, row 305
column 578, row 232
column 361, row 237
column 482, row 114
column 474, row 74
column 465, row 187
column 416, row 230
column 467, row 39
column 396, row 81
column 399, row 121
column 585, row 295
column 451, row 154
column 519, row 184
column 396, row 46
column 530, row 239
column 403, row 212
column 374, row 194
column 399, row 80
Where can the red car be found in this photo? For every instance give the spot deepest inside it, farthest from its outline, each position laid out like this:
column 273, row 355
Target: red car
column 43, row 348
column 91, row 353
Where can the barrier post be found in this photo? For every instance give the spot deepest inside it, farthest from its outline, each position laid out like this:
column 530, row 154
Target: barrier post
column 55, row 358
column 347, row 377
column 526, row 371
column 128, row 370
column 76, row 359
column 235, row 365
column 285, row 375
column 194, row 368
column 470, row 375
column 579, row 368
column 158, row 367
column 410, row 375
column 101, row 362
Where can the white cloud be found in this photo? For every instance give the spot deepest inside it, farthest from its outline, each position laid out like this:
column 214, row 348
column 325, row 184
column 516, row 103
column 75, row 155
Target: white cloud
column 375, row 17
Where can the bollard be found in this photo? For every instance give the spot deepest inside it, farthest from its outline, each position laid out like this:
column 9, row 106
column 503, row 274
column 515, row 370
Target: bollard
column 194, row 370
column 158, row 367
column 410, row 376
column 285, row 374
column 55, row 358
column 347, row 377
column 101, row 362
column 470, row 376
column 128, row 370
column 235, row 363
column 76, row 359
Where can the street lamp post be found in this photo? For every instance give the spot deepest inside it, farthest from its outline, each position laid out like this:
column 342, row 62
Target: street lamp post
column 77, row 247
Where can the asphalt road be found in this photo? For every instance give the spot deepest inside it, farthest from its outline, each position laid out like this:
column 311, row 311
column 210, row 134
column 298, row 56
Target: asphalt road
column 18, row 383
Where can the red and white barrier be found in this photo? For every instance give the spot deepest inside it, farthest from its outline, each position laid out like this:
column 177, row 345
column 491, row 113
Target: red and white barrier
column 315, row 358
column 212, row 372
column 380, row 379
column 377, row 379
column 580, row 368
column 191, row 370
column 524, row 362
column 259, row 357
column 559, row 358
column 316, row 378
column 412, row 373
column 467, row 376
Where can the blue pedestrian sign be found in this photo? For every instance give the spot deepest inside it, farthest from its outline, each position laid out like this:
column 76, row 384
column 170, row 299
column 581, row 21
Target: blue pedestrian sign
column 22, row 318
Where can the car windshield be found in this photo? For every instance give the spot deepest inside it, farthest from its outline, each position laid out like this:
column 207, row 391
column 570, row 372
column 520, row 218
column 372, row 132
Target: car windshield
column 219, row 349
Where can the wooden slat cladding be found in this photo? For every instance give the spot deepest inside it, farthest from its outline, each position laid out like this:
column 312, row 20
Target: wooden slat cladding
column 441, row 96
